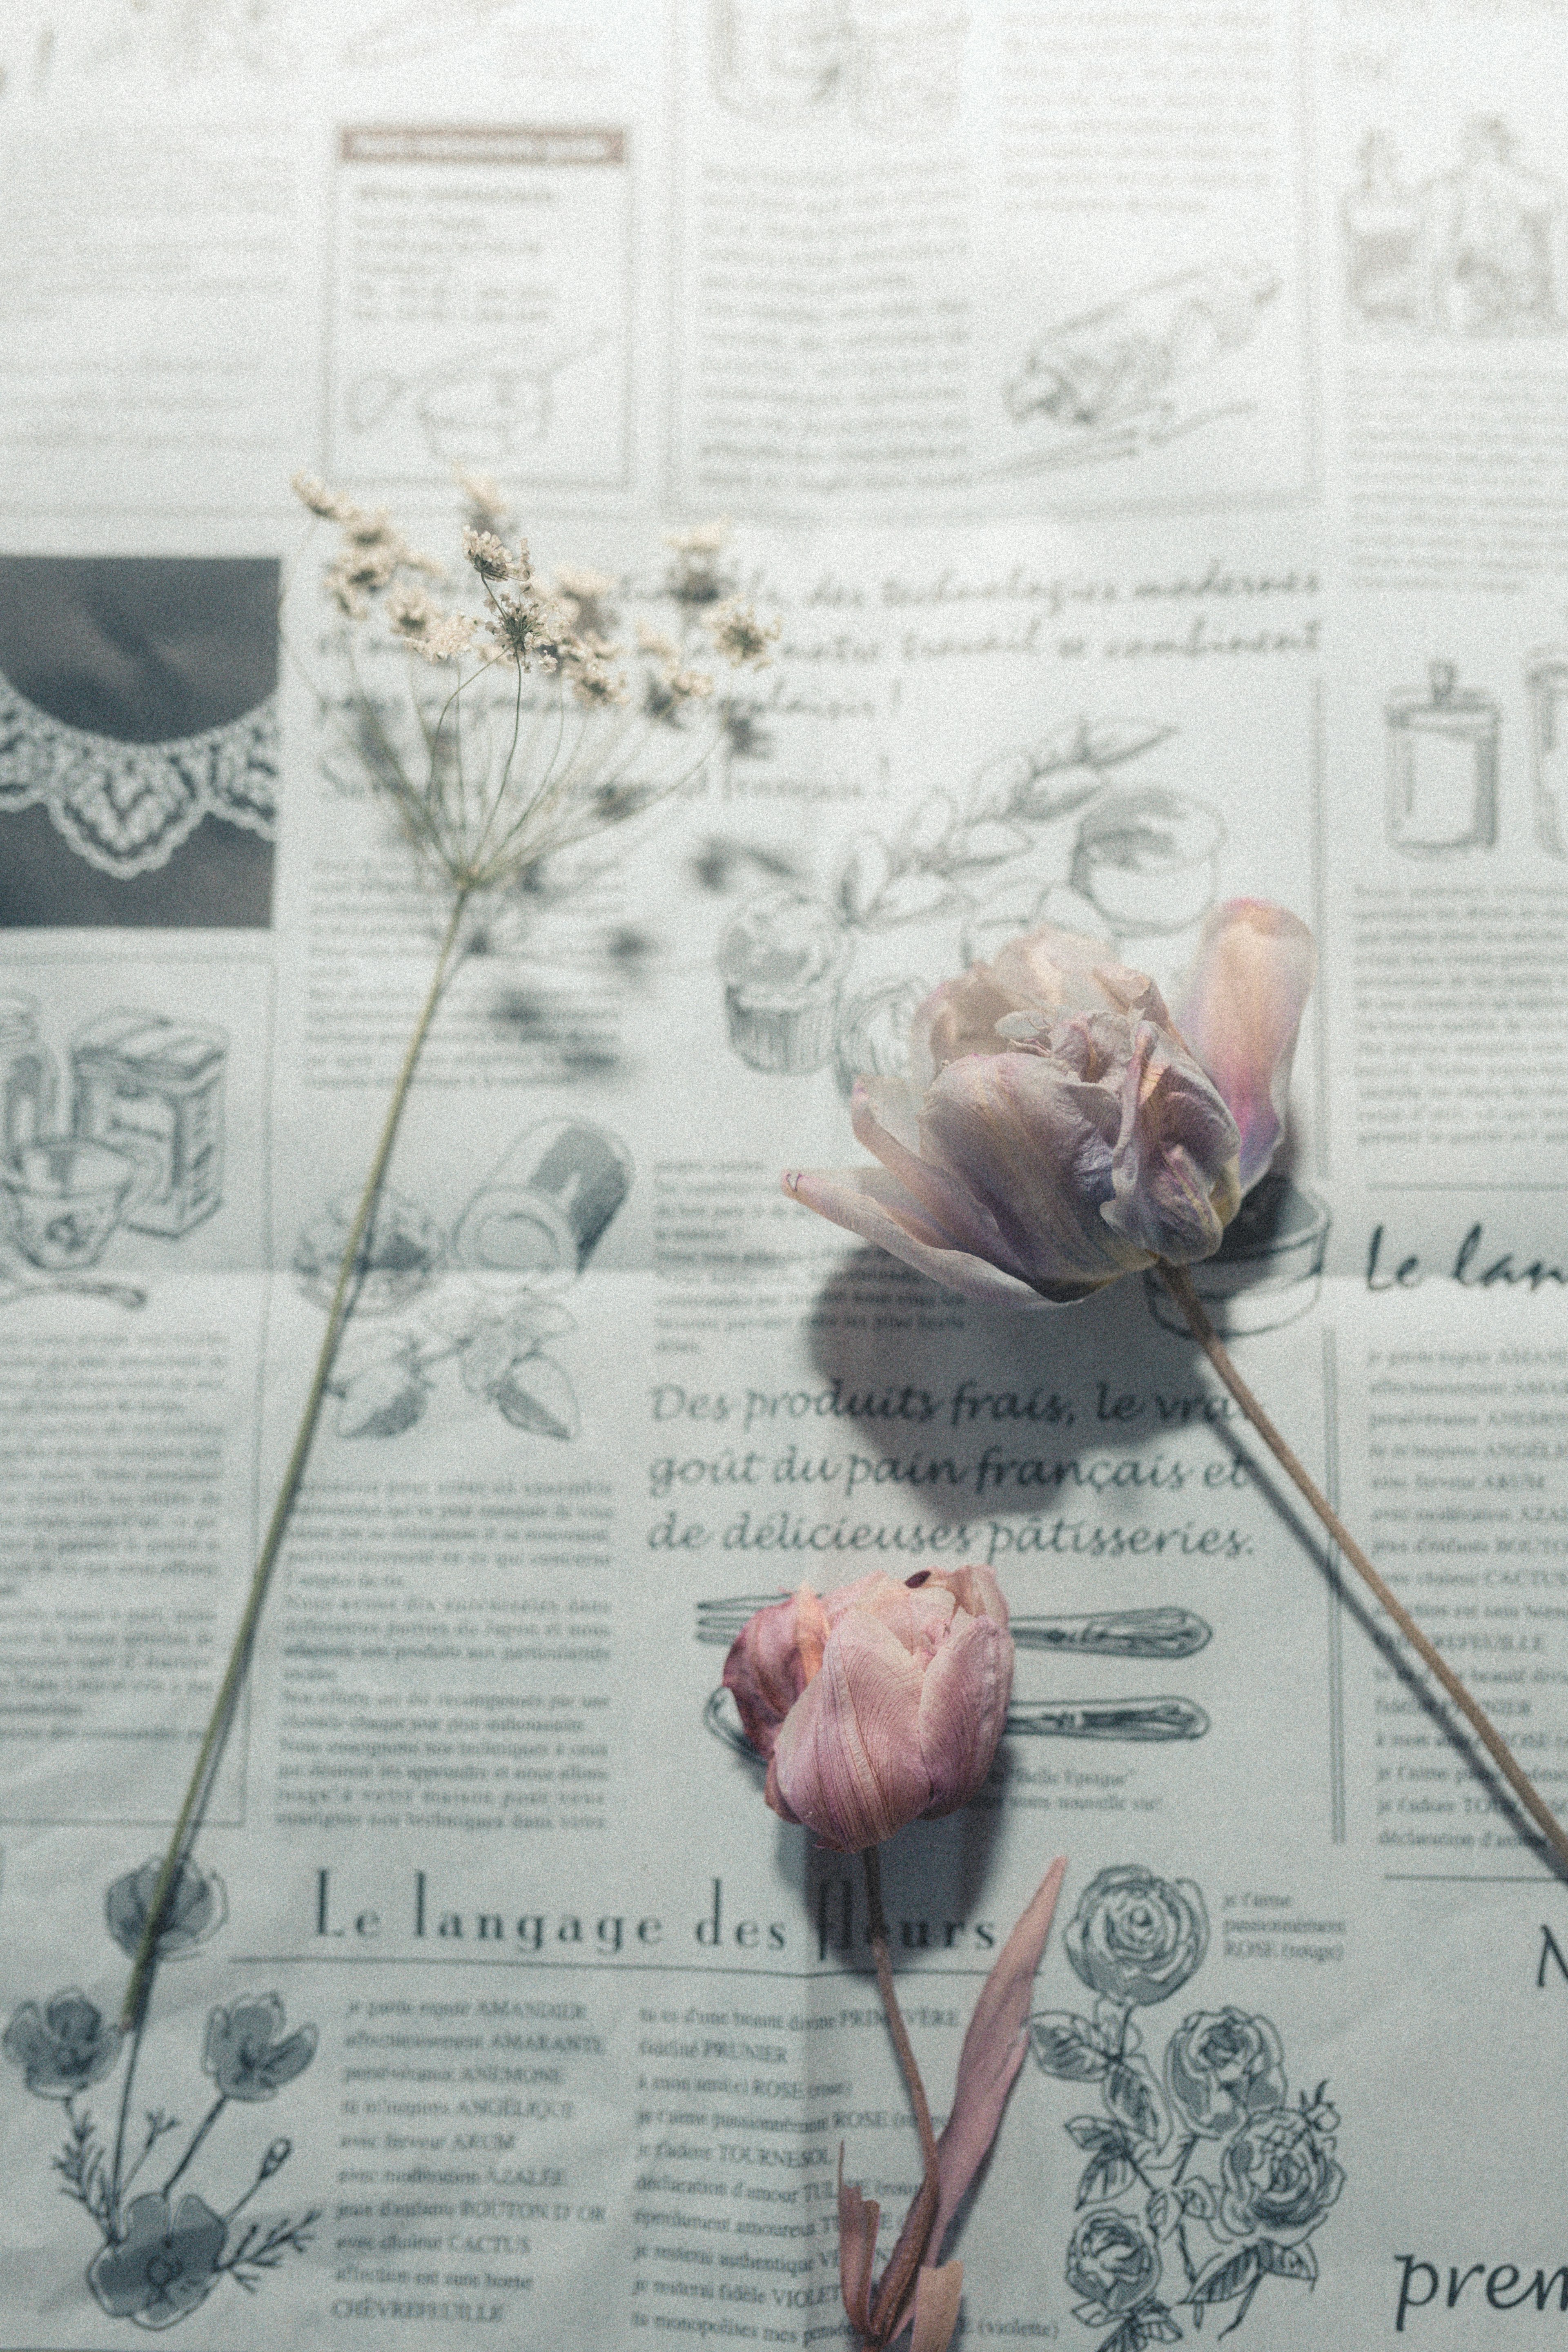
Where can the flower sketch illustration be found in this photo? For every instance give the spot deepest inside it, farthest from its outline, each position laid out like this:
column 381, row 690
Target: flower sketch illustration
column 1202, row 2179
column 164, row 2249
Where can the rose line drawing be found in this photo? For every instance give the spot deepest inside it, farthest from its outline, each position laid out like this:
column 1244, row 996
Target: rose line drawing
column 164, row 2250
column 1156, row 2234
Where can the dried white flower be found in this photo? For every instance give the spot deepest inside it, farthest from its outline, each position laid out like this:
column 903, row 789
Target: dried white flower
column 584, row 586
column 739, row 637
column 450, row 635
column 411, row 616
column 345, row 593
column 511, row 773
column 489, row 557
column 313, row 493
column 595, row 685
column 535, row 631
column 583, row 593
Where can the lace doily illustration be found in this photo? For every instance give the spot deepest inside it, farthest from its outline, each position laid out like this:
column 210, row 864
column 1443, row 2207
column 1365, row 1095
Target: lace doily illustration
column 126, row 807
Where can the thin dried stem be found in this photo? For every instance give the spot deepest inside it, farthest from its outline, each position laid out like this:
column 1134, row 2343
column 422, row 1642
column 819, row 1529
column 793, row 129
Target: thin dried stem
column 908, row 2254
column 1178, row 1282
column 209, row 1756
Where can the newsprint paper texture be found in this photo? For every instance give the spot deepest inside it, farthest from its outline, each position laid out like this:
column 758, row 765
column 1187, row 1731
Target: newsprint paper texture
column 1147, row 419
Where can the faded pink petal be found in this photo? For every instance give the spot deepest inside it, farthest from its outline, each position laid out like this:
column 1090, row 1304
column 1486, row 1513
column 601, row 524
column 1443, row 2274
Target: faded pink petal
column 867, row 1201
column 953, row 1207
column 964, row 1705
column 993, row 2053
column 846, row 1760
column 771, row 1661
column 1174, row 1137
column 974, row 1589
column 1239, row 1010
column 1032, row 1145
column 937, row 2292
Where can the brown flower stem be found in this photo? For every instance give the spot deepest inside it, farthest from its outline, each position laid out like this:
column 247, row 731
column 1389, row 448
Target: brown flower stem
column 1178, row 1282
column 897, row 2279
column 209, row 1756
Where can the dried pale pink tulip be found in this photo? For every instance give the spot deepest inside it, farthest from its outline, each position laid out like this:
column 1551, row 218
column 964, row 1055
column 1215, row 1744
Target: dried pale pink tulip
column 1059, row 1129
column 878, row 1704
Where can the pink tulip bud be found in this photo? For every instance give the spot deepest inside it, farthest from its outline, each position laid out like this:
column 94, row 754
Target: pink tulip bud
column 876, row 1704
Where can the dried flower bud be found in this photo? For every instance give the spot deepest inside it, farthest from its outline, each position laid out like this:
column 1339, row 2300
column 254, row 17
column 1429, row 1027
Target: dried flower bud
column 411, row 616
column 878, row 1705
column 596, row 685
column 448, row 637
column 701, row 538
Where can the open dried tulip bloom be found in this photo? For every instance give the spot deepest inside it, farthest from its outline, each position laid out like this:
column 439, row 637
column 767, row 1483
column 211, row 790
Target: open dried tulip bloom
column 1060, row 1127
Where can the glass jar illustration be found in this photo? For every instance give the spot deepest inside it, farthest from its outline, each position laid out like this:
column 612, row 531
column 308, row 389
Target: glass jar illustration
column 1442, row 767
column 27, row 1077
column 153, row 1089
column 1385, row 241
column 1546, row 681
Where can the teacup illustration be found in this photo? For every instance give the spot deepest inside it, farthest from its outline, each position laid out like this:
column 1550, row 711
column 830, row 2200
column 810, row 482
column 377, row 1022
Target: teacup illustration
column 65, row 1198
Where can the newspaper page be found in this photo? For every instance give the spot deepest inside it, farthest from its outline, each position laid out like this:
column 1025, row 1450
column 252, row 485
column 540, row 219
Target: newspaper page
column 1146, row 423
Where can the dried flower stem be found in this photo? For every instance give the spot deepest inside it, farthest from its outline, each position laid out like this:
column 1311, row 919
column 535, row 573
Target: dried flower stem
column 1178, row 1282
column 209, row 1756
column 908, row 2254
